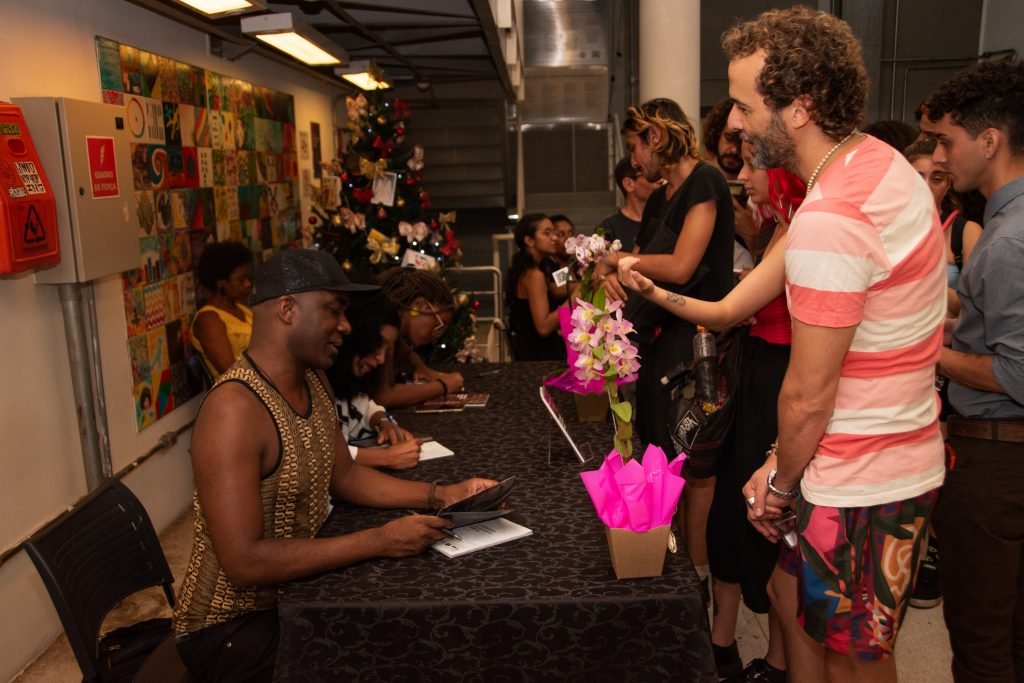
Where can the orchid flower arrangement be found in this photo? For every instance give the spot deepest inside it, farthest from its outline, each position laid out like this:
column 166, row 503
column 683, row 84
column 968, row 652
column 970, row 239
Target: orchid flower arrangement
column 599, row 335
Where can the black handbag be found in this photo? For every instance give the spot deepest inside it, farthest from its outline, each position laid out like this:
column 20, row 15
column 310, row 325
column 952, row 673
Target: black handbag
column 691, row 427
column 123, row 650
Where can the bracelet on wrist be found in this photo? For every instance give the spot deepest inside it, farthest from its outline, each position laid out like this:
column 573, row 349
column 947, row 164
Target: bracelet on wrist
column 785, row 495
column 432, row 503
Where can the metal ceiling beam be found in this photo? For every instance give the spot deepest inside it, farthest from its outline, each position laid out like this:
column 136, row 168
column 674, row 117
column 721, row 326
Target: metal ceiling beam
column 401, row 27
column 428, row 67
column 475, row 33
column 371, row 7
column 335, row 7
column 421, row 58
column 482, row 9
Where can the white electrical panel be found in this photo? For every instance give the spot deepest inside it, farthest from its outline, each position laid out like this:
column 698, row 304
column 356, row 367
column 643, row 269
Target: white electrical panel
column 85, row 149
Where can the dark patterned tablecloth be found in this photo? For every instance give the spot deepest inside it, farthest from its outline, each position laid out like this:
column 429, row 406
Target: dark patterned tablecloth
column 543, row 608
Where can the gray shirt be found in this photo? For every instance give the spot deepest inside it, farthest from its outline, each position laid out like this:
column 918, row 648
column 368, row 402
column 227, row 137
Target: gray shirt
column 991, row 322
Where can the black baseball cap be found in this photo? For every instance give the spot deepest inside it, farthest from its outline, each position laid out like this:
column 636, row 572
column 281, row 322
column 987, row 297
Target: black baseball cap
column 292, row 271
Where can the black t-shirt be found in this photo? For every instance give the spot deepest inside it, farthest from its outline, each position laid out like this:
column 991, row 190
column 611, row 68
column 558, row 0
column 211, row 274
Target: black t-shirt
column 621, row 227
column 663, row 221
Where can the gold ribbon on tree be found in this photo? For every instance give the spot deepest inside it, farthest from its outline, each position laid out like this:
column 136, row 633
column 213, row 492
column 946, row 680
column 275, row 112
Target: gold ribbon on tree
column 372, row 169
column 445, row 218
column 383, row 248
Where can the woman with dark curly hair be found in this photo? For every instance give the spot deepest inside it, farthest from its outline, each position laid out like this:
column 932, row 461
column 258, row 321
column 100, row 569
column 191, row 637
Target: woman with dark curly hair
column 358, row 372
column 221, row 328
column 427, row 307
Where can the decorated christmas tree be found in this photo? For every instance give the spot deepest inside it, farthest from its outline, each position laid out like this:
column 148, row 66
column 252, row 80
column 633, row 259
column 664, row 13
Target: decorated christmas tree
column 373, row 213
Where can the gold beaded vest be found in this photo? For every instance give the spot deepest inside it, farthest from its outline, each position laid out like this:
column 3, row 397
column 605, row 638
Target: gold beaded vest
column 295, row 499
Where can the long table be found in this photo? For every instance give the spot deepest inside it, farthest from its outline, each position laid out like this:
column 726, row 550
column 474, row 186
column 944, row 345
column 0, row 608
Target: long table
column 543, row 608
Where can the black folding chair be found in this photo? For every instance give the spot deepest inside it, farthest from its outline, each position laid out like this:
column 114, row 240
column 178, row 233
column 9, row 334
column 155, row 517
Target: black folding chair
column 90, row 559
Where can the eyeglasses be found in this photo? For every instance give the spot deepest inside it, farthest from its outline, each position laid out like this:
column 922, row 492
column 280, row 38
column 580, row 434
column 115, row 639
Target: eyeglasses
column 439, row 328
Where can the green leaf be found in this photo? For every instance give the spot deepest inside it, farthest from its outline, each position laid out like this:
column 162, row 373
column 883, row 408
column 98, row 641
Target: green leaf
column 586, row 290
column 625, row 431
column 599, row 298
column 598, row 352
column 624, row 411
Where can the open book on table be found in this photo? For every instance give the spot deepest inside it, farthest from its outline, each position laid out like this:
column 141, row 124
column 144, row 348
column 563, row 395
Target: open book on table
column 479, row 536
column 456, row 402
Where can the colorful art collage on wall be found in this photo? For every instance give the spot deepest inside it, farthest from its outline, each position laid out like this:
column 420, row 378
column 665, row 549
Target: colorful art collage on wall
column 214, row 158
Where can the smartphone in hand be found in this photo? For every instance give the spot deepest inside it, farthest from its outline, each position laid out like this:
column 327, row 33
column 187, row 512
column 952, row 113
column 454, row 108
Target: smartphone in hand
column 786, row 524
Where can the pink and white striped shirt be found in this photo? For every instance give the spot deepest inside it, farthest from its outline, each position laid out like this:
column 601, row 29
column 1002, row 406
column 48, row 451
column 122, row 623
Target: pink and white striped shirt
column 866, row 249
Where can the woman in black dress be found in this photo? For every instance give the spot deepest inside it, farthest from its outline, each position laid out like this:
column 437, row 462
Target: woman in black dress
column 533, row 317
column 685, row 246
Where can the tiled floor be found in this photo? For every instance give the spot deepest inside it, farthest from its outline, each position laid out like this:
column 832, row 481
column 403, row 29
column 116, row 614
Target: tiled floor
column 923, row 654
column 922, row 651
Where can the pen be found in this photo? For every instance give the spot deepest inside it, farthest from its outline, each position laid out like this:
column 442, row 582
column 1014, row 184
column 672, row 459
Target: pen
column 394, row 425
column 447, row 532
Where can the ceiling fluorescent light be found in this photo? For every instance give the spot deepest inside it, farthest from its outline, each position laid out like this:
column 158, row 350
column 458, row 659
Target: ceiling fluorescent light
column 293, row 37
column 222, row 8
column 365, row 75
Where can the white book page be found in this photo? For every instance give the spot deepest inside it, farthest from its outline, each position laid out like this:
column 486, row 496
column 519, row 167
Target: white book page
column 479, row 536
column 432, row 449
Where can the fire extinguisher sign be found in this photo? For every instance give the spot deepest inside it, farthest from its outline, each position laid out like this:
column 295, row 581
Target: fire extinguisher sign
column 102, row 167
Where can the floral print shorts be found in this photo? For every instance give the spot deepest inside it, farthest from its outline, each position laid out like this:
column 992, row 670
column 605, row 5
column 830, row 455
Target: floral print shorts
column 856, row 571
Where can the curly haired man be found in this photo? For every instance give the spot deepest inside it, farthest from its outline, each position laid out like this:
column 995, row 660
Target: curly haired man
column 977, row 120
column 859, row 455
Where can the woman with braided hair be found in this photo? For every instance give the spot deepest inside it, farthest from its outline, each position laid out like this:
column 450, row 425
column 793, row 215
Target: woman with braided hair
column 427, row 308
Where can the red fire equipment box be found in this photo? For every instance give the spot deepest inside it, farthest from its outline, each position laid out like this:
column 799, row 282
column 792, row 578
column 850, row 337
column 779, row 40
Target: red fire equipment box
column 28, row 213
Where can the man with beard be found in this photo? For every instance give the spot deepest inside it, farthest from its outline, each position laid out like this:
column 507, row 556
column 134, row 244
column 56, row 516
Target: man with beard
column 267, row 455
column 722, row 143
column 859, row 455
column 977, row 120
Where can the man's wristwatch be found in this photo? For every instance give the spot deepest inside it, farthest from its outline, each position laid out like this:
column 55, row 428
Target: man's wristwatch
column 785, row 495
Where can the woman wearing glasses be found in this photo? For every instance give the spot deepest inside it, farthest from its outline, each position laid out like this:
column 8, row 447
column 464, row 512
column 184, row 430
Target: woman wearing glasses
column 427, row 308
column 533, row 317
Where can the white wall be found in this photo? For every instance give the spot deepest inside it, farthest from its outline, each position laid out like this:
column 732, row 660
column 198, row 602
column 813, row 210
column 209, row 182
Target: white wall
column 1001, row 24
column 48, row 49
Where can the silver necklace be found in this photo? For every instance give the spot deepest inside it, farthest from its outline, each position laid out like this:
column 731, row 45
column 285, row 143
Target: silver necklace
column 824, row 160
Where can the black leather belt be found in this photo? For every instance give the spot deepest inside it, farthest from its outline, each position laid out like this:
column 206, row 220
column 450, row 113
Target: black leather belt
column 1009, row 431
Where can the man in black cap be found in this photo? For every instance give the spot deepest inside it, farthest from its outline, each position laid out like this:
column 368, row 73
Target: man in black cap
column 267, row 456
